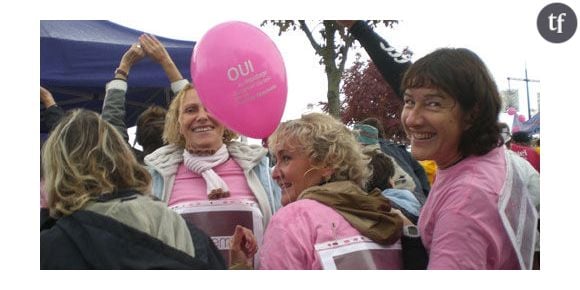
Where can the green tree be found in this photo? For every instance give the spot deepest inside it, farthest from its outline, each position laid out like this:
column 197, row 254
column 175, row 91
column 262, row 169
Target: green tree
column 332, row 46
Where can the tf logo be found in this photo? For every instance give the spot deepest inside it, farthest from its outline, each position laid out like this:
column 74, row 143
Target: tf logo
column 557, row 22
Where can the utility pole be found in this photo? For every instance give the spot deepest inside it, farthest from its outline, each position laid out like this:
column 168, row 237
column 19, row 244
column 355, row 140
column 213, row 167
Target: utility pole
column 527, row 80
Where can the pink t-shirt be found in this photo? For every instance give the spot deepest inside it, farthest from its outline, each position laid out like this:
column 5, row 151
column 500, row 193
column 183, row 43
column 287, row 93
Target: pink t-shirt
column 293, row 232
column 190, row 186
column 460, row 224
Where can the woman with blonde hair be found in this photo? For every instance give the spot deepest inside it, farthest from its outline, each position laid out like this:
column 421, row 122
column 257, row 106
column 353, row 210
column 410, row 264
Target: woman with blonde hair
column 100, row 197
column 215, row 182
column 328, row 221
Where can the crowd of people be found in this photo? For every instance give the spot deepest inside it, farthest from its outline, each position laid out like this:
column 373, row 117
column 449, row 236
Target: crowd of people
column 336, row 197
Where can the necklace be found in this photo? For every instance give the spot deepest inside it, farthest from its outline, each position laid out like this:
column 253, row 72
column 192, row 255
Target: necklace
column 459, row 158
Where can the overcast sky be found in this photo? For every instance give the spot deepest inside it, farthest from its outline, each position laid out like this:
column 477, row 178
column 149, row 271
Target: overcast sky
column 506, row 54
column 504, row 36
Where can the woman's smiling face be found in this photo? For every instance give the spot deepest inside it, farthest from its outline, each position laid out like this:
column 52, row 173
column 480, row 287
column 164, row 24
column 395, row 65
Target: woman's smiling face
column 199, row 128
column 434, row 123
column 294, row 172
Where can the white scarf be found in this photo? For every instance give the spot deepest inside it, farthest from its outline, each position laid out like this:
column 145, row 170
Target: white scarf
column 203, row 165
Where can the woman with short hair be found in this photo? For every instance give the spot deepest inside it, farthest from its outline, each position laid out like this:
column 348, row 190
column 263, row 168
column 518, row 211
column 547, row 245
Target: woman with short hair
column 327, row 215
column 479, row 202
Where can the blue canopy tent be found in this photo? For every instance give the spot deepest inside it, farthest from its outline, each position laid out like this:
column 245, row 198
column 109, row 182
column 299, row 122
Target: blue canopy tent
column 77, row 59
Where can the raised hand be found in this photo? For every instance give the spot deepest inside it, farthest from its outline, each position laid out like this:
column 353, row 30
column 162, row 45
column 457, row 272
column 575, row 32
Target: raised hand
column 154, row 48
column 133, row 55
column 156, row 51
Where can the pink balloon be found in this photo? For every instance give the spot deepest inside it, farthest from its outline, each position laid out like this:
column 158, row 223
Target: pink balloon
column 240, row 77
column 522, row 118
column 511, row 111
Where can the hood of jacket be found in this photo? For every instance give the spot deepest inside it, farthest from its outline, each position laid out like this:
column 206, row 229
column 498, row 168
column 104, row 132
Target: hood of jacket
column 146, row 215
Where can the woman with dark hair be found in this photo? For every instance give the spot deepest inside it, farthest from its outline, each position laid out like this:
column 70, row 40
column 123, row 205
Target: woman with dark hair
column 481, row 193
column 479, row 202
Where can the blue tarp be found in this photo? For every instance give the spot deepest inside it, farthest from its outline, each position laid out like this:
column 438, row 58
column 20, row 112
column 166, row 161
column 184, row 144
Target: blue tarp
column 77, row 59
column 532, row 126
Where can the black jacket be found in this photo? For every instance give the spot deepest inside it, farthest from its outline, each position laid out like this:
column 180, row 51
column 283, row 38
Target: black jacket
column 87, row 240
column 391, row 64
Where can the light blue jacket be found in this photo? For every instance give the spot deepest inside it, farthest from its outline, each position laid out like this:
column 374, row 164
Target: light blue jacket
column 404, row 199
column 163, row 164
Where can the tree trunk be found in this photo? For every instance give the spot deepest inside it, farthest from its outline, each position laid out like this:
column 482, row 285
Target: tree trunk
column 333, row 97
column 333, row 56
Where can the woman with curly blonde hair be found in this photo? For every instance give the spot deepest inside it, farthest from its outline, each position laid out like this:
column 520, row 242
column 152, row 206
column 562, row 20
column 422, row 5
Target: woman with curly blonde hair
column 322, row 172
column 100, row 197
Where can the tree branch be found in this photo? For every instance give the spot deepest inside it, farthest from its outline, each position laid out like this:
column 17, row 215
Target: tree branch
column 344, row 52
column 308, row 33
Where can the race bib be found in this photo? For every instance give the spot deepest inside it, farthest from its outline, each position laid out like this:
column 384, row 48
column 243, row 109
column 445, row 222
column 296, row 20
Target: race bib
column 218, row 219
column 359, row 253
